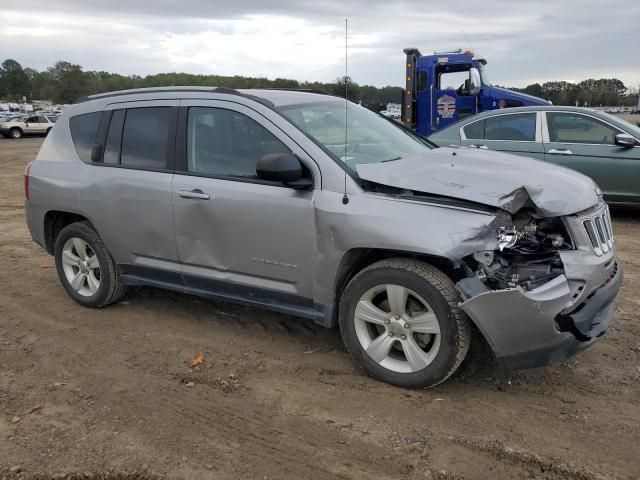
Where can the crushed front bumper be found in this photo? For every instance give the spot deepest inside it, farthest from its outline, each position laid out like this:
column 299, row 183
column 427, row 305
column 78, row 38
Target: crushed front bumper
column 528, row 329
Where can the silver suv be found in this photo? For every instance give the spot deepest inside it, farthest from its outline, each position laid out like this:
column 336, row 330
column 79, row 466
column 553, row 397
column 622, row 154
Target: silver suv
column 311, row 206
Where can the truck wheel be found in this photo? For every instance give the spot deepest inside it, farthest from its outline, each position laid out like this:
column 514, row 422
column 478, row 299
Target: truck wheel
column 15, row 133
column 400, row 320
column 85, row 267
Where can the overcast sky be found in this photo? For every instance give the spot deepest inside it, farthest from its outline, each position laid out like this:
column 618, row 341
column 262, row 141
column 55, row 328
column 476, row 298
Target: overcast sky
column 524, row 41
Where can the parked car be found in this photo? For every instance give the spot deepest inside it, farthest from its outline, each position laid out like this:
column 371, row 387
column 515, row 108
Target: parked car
column 27, row 126
column 604, row 147
column 269, row 198
column 5, row 117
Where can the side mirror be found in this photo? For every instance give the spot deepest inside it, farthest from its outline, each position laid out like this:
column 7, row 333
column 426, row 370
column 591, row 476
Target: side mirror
column 626, row 140
column 284, row 168
column 475, row 83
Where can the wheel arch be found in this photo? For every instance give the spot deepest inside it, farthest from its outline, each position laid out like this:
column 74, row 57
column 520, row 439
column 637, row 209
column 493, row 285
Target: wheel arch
column 55, row 221
column 356, row 259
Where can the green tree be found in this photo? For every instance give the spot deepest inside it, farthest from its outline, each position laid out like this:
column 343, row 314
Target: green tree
column 66, row 82
column 534, row 89
column 14, row 82
column 69, row 82
column 345, row 84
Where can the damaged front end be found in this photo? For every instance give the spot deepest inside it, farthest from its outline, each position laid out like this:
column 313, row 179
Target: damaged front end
column 539, row 279
column 545, row 289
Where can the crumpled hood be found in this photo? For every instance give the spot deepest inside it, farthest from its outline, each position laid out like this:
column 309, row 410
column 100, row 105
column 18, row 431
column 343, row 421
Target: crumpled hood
column 501, row 180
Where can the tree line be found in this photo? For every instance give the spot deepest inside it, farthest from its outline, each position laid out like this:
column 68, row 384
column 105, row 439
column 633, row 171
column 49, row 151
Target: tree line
column 66, row 82
column 593, row 93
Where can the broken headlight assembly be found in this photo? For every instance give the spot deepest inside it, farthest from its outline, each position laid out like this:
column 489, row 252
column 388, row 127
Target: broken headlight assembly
column 527, row 255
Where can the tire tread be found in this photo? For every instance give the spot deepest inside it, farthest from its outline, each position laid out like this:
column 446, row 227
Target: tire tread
column 116, row 288
column 445, row 287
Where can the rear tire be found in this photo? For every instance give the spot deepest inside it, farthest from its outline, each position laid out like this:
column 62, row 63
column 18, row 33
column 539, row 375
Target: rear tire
column 400, row 321
column 85, row 267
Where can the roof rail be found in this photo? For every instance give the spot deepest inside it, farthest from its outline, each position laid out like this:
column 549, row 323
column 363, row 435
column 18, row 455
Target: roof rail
column 225, row 90
column 117, row 93
column 304, row 90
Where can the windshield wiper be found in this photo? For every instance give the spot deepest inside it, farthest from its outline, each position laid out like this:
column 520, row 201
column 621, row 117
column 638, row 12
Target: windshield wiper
column 391, row 159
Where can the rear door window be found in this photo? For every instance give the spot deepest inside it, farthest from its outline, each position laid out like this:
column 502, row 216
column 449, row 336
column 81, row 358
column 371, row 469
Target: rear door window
column 84, row 129
column 145, row 137
column 515, row 127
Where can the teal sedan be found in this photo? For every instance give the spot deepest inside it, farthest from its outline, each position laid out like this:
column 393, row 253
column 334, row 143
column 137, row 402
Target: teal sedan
column 602, row 146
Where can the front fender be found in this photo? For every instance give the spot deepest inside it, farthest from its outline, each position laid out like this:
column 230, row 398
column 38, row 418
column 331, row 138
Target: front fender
column 383, row 222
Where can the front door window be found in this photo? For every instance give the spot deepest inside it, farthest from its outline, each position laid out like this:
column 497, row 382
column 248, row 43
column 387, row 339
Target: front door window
column 566, row 127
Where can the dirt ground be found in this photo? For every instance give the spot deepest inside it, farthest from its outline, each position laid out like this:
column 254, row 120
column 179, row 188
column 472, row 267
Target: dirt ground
column 108, row 394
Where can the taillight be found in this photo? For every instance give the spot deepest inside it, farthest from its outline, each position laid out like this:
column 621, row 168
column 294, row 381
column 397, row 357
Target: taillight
column 26, row 181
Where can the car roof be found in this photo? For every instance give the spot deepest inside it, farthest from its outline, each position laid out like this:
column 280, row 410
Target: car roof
column 282, row 97
column 536, row 108
column 272, row 97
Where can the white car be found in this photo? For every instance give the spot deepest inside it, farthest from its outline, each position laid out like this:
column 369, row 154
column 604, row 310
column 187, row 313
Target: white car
column 33, row 125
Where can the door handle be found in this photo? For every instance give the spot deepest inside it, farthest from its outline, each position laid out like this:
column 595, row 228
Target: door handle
column 196, row 193
column 480, row 146
column 560, row 151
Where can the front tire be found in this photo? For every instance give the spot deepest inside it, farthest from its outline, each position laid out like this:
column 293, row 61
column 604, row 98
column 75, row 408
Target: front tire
column 15, row 133
column 85, row 267
column 400, row 320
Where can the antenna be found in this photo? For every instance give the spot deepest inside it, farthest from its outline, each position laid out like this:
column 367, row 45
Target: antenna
column 345, row 199
column 473, row 49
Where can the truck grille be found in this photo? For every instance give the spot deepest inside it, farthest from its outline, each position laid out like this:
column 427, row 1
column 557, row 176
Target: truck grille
column 599, row 231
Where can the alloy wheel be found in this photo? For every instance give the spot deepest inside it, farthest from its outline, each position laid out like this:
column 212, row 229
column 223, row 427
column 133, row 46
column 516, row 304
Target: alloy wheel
column 397, row 328
column 81, row 266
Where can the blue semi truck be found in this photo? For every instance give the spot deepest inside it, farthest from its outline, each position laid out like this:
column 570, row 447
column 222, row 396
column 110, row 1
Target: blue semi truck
column 446, row 87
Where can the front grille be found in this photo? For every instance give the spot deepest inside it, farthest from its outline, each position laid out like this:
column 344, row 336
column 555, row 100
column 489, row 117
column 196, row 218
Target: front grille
column 599, row 231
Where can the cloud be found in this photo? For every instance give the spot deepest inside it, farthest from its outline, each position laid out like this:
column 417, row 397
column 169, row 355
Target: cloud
column 537, row 40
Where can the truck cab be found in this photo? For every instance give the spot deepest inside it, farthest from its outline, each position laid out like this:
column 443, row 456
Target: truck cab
column 446, row 87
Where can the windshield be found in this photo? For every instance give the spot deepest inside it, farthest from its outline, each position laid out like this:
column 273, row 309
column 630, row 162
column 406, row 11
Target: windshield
column 484, row 75
column 370, row 138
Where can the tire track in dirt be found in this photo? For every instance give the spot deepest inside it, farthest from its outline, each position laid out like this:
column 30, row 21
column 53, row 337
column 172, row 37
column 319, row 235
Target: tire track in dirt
column 291, row 448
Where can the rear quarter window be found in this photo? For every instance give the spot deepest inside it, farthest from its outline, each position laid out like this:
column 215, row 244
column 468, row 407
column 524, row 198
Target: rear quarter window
column 84, row 129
